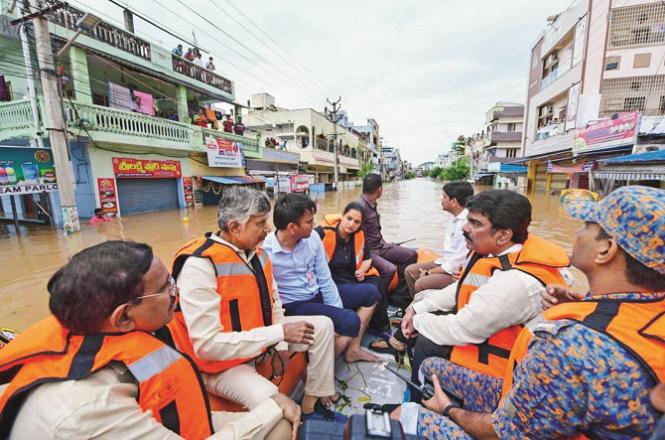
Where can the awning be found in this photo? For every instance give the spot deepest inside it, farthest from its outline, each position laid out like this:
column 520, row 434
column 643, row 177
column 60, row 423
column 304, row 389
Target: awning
column 512, row 168
column 651, row 156
column 631, row 172
column 235, row 180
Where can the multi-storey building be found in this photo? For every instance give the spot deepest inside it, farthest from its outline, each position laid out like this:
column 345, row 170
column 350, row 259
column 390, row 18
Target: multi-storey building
column 128, row 104
column 503, row 130
column 310, row 134
column 595, row 65
column 371, row 134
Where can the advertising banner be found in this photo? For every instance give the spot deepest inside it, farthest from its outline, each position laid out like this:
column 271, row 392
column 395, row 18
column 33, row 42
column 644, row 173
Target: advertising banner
column 300, row 183
column 108, row 199
column 26, row 171
column 224, row 153
column 188, row 190
column 608, row 133
column 146, row 168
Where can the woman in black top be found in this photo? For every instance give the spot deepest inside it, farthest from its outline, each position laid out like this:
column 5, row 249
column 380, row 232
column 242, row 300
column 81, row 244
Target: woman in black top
column 350, row 261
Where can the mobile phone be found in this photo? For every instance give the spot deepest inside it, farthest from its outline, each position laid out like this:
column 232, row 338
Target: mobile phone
column 427, row 390
column 377, row 423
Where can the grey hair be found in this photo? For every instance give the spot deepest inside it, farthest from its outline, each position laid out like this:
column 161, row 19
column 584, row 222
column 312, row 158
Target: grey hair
column 239, row 203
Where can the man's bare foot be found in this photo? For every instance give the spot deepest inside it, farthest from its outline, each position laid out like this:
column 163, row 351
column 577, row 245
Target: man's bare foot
column 360, row 355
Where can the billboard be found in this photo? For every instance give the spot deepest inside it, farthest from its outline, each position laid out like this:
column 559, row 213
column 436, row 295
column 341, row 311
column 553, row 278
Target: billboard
column 146, row 168
column 26, row 171
column 607, row 133
column 224, row 153
column 108, row 200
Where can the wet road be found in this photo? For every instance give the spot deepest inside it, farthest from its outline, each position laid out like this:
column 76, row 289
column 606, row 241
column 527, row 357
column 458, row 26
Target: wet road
column 409, row 209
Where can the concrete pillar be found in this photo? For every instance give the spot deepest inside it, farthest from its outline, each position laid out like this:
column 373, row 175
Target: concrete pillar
column 80, row 75
column 548, row 183
column 181, row 104
column 531, row 175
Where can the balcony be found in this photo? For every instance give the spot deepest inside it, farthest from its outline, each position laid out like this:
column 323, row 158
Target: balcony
column 67, row 16
column 505, row 136
column 552, row 144
column 104, row 124
column 507, row 112
column 181, row 65
column 280, row 156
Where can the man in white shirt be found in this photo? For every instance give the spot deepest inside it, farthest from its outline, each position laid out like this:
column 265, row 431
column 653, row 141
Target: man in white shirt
column 230, row 312
column 438, row 274
column 474, row 322
column 101, row 367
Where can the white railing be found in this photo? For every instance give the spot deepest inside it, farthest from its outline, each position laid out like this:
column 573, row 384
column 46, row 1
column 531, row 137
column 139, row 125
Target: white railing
column 16, row 115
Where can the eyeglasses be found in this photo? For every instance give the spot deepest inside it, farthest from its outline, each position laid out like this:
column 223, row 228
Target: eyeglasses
column 172, row 290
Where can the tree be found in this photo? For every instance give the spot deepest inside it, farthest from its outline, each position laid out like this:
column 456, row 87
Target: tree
column 459, row 170
column 365, row 169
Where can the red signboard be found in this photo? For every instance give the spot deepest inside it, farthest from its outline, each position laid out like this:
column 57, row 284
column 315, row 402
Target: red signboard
column 188, row 189
column 107, row 195
column 607, row 133
column 146, row 168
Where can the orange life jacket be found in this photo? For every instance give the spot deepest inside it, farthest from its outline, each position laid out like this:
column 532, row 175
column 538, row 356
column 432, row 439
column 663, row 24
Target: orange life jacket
column 328, row 236
column 538, row 257
column 169, row 384
column 245, row 292
column 638, row 326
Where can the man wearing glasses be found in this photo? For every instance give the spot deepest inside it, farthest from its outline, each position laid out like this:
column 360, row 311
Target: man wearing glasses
column 102, row 365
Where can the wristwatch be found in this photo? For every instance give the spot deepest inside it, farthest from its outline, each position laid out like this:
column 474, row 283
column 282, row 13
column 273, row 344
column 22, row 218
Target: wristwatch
column 447, row 409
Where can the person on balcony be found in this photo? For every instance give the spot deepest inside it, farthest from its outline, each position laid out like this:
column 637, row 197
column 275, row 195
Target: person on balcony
column 189, row 56
column 228, row 124
column 178, row 50
column 239, row 128
column 200, row 119
column 210, row 66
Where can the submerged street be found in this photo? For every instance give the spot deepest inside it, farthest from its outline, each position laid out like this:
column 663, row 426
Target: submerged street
column 409, row 209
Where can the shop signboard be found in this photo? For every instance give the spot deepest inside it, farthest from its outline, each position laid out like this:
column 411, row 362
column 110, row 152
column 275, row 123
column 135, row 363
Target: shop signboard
column 607, row 133
column 146, row 168
column 26, row 171
column 300, row 183
column 224, row 153
column 188, row 190
column 108, row 199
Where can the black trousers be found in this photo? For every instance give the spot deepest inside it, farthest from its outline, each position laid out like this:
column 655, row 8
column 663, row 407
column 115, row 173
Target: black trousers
column 422, row 349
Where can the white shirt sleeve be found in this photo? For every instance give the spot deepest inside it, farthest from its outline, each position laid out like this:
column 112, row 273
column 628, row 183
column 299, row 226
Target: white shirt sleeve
column 508, row 298
column 433, row 300
column 455, row 252
column 104, row 404
column 278, row 315
column 200, row 305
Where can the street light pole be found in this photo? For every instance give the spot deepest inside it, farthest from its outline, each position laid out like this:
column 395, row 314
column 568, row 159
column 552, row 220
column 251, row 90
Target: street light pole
column 55, row 123
column 333, row 113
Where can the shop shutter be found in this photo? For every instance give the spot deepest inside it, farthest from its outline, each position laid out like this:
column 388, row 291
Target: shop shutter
column 145, row 195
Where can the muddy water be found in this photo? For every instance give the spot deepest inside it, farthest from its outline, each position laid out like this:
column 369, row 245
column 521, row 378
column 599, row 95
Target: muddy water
column 409, row 209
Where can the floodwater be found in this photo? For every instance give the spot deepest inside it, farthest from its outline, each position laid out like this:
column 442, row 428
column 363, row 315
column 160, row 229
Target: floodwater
column 409, row 210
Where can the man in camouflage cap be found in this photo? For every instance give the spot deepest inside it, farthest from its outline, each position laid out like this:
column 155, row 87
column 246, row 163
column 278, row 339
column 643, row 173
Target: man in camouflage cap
column 587, row 366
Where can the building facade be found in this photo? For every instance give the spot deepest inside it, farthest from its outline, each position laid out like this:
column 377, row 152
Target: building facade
column 128, row 105
column 311, row 135
column 597, row 67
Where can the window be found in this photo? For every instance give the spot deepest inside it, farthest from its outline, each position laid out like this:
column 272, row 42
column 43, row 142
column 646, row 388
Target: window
column 624, row 94
column 511, row 152
column 637, row 25
column 612, row 63
column 634, row 103
column 661, row 107
column 511, row 127
column 641, row 60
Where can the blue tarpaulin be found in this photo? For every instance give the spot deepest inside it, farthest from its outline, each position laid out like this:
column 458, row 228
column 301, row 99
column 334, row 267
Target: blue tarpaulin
column 651, row 156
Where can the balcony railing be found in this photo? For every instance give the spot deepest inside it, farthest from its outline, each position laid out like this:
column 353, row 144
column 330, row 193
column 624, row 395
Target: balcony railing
column 108, row 120
column 67, row 16
column 505, row 136
column 16, row 120
column 106, row 124
column 181, row 65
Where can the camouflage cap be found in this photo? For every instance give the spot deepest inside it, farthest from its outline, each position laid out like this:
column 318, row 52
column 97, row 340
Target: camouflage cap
column 634, row 216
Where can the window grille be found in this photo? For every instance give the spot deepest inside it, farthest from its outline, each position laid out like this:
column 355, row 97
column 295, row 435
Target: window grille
column 642, row 93
column 637, row 25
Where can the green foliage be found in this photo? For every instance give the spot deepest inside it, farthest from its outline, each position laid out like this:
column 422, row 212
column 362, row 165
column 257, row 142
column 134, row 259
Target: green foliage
column 365, row 169
column 459, row 170
column 409, row 175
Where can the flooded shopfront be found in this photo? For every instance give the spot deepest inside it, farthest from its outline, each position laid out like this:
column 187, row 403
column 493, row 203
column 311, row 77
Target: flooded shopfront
column 409, row 210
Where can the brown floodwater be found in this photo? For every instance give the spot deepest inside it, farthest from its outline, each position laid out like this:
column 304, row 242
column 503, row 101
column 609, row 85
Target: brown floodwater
column 409, row 210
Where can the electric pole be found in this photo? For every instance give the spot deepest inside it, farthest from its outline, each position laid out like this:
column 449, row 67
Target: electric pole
column 55, row 122
column 335, row 107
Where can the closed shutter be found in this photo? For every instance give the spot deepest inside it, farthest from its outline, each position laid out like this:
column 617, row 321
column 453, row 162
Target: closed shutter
column 145, row 195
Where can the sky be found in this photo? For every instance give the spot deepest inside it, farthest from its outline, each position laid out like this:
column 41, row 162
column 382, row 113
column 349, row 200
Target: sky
column 426, row 71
